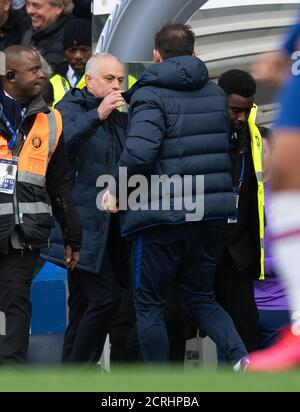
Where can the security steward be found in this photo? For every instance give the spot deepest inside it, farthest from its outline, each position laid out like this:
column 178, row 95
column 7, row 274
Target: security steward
column 32, row 148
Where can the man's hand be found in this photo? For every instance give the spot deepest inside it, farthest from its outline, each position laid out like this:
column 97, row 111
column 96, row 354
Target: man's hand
column 71, row 258
column 109, row 203
column 110, row 102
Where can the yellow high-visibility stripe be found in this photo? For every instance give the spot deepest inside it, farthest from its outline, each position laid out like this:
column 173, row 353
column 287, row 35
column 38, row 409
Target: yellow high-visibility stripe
column 257, row 157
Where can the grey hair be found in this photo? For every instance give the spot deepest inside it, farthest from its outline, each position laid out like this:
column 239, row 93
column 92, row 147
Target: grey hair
column 93, row 63
column 68, row 5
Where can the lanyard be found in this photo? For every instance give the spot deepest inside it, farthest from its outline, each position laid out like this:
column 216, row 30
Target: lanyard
column 13, row 133
column 64, row 84
column 242, row 175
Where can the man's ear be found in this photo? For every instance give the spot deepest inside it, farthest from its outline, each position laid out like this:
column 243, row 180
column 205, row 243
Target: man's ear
column 194, row 53
column 156, row 56
column 88, row 82
column 7, row 5
column 59, row 10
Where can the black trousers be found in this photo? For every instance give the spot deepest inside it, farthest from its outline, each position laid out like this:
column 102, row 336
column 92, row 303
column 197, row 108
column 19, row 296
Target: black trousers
column 16, row 274
column 235, row 293
column 93, row 301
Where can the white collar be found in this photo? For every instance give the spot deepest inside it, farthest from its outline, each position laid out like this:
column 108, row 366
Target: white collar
column 71, row 76
column 7, row 95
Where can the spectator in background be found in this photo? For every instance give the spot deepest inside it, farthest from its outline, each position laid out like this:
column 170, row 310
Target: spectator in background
column 49, row 18
column 77, row 45
column 270, row 295
column 13, row 24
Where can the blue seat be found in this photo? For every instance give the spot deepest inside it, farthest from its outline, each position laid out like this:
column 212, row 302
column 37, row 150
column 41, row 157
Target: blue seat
column 49, row 300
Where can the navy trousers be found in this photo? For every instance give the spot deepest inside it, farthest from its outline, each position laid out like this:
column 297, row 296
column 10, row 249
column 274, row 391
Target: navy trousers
column 185, row 254
column 93, row 300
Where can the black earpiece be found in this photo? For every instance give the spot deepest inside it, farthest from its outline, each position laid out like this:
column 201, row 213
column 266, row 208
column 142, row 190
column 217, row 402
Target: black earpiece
column 10, row 74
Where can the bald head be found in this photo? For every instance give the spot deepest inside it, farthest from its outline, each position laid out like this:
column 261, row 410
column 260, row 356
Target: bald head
column 24, row 77
column 16, row 56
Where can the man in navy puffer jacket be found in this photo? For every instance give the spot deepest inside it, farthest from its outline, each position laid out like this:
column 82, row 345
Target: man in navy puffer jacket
column 178, row 126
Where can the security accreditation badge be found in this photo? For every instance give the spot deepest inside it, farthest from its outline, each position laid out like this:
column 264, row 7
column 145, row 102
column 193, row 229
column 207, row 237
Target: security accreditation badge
column 8, row 173
column 236, row 194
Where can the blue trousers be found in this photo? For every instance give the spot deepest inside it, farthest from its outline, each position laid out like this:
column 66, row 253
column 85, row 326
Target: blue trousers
column 270, row 323
column 184, row 254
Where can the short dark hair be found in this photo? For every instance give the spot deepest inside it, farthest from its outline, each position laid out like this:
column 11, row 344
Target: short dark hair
column 238, row 82
column 175, row 40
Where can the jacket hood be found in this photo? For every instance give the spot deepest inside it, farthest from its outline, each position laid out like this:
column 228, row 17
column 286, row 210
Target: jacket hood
column 177, row 73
